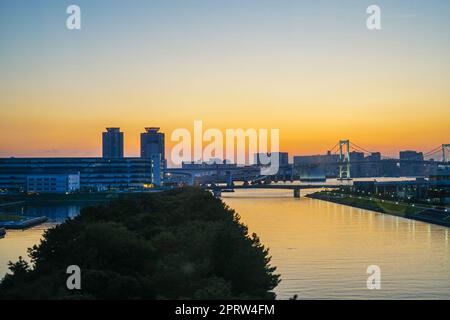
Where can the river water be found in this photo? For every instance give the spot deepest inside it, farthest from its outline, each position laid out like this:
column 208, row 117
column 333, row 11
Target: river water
column 322, row 250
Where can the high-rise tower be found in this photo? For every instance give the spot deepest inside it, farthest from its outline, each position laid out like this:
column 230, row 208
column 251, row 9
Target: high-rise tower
column 152, row 147
column 112, row 143
column 152, row 143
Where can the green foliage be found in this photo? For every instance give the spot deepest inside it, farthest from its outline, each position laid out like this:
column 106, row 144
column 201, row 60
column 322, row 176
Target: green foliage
column 179, row 244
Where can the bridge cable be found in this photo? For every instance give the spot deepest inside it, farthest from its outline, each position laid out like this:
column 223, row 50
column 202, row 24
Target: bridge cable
column 435, row 150
column 335, row 146
column 361, row 148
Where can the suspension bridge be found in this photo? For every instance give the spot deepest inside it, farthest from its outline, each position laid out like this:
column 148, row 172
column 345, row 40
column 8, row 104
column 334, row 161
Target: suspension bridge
column 344, row 149
column 344, row 155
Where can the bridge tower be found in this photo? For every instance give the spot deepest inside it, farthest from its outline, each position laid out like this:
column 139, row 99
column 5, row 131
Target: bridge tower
column 229, row 178
column 445, row 151
column 344, row 160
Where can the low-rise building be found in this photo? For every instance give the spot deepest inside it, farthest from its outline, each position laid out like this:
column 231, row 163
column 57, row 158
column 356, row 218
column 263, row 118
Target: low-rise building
column 442, row 174
column 53, row 183
column 95, row 173
column 326, row 163
column 263, row 158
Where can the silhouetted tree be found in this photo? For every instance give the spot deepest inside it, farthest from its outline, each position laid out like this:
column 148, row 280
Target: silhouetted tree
column 177, row 244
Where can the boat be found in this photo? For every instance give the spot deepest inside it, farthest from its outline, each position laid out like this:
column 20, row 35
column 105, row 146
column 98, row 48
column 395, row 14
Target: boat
column 2, row 232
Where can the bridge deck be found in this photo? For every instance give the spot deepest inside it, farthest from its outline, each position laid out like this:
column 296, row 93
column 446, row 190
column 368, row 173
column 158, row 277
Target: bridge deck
column 283, row 187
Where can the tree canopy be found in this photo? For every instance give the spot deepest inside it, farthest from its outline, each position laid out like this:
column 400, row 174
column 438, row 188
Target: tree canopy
column 178, row 244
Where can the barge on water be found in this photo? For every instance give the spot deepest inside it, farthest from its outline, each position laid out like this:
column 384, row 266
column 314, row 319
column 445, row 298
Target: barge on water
column 22, row 223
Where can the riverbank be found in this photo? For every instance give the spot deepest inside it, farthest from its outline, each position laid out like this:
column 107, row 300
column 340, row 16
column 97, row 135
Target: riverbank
column 9, row 221
column 14, row 215
column 71, row 198
column 404, row 210
column 11, row 204
column 43, row 198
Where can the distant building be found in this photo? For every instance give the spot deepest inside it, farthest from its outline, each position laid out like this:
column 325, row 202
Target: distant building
column 208, row 165
column 215, row 161
column 364, row 186
column 356, row 156
column 411, row 155
column 152, row 144
column 389, row 169
column 435, row 189
column 372, row 166
column 305, row 160
column 112, row 143
column 407, row 189
column 283, row 158
column 111, row 172
column 326, row 164
column 95, row 173
column 317, row 159
column 53, row 183
column 157, row 173
column 440, row 184
column 410, row 164
column 374, row 156
column 442, row 174
column 357, row 166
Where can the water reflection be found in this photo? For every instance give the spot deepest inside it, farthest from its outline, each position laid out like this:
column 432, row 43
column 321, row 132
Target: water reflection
column 16, row 242
column 322, row 249
column 55, row 213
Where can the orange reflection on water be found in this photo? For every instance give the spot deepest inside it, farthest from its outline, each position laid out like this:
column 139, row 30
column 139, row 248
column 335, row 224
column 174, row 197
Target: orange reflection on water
column 322, row 250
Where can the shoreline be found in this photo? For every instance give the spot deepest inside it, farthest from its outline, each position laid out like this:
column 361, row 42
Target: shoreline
column 57, row 198
column 402, row 210
column 24, row 222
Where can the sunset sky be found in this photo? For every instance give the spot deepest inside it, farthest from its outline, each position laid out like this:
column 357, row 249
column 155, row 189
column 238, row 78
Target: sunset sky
column 310, row 68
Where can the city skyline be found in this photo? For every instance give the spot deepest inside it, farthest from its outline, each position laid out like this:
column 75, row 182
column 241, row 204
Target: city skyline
column 152, row 143
column 313, row 70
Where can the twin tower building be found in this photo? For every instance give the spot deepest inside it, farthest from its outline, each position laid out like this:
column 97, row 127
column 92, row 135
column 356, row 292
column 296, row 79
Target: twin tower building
column 152, row 148
column 152, row 144
column 112, row 171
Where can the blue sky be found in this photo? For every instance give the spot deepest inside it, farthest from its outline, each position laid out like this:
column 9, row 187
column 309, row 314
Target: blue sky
column 249, row 63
